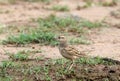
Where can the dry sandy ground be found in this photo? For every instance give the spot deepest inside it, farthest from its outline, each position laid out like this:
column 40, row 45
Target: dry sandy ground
column 105, row 42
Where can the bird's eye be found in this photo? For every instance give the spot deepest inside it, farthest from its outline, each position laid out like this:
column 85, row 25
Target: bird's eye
column 59, row 37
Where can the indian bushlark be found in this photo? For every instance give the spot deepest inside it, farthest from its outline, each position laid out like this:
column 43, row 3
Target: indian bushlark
column 68, row 51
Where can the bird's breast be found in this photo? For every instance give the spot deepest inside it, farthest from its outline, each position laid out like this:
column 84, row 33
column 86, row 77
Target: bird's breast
column 65, row 54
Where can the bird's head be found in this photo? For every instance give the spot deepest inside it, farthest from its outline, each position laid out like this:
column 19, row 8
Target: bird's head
column 62, row 40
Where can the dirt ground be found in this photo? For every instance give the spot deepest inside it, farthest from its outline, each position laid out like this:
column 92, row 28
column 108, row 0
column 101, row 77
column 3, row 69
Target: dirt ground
column 56, row 72
column 105, row 42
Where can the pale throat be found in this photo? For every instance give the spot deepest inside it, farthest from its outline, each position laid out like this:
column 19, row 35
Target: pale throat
column 63, row 44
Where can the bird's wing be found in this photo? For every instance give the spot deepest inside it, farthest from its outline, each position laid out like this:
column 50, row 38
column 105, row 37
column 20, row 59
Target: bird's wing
column 72, row 51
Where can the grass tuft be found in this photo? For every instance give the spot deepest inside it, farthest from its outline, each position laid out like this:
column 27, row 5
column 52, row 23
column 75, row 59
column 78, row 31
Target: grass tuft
column 112, row 3
column 7, row 64
column 45, row 70
column 88, row 24
column 60, row 8
column 79, row 41
column 21, row 56
column 49, row 27
column 45, row 1
column 34, row 37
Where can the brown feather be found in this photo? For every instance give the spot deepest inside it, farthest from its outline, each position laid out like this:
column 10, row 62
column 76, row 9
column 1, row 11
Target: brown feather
column 68, row 51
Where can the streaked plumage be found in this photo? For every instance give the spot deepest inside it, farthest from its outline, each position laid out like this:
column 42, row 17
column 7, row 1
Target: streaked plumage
column 68, row 51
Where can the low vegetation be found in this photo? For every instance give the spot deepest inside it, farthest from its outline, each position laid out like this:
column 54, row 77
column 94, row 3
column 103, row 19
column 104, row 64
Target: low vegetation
column 60, row 8
column 112, row 3
column 52, row 70
column 49, row 28
column 90, row 3
column 14, row 1
column 80, row 40
column 21, row 56
column 44, row 1
column 24, row 66
column 34, row 37
column 2, row 28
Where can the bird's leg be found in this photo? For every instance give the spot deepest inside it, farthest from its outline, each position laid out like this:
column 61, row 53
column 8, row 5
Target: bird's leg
column 71, row 65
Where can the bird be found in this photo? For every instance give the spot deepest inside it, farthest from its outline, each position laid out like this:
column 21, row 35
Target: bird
column 68, row 51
